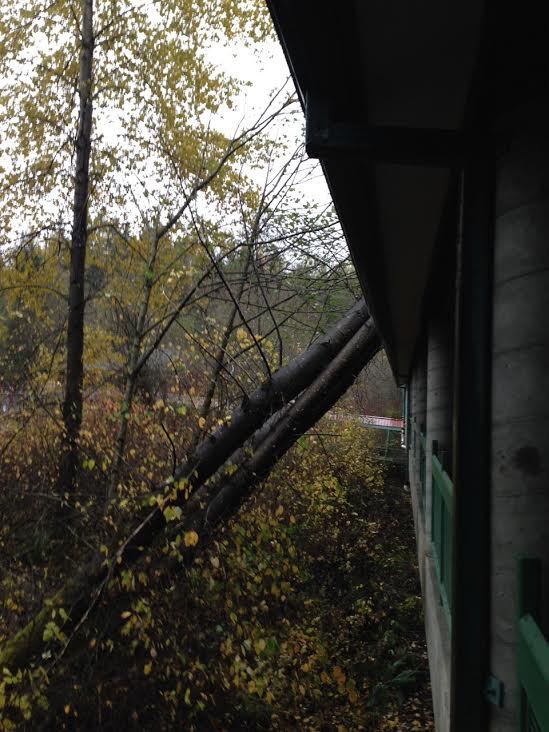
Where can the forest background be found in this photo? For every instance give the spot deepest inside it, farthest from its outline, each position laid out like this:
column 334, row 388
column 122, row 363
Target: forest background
column 163, row 251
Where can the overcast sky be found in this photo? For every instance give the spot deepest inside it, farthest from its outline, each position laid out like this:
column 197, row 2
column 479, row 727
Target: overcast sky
column 265, row 69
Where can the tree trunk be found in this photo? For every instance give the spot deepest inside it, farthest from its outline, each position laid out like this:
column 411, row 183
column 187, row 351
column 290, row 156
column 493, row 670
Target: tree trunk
column 284, row 386
column 274, row 394
column 219, row 500
column 323, row 374
column 132, row 371
column 72, row 403
column 309, row 407
column 220, row 353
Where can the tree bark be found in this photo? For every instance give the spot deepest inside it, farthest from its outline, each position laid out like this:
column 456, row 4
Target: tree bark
column 323, row 373
column 219, row 446
column 254, row 410
column 309, row 407
column 221, row 351
column 132, row 371
column 72, row 403
column 219, row 500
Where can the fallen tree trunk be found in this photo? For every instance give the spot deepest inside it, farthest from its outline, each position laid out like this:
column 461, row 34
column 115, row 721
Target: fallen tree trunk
column 254, row 411
column 293, row 422
column 213, row 504
column 284, row 386
column 323, row 374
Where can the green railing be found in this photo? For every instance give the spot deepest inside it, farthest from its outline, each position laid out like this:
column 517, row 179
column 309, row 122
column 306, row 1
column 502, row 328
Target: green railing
column 422, row 470
column 532, row 651
column 442, row 510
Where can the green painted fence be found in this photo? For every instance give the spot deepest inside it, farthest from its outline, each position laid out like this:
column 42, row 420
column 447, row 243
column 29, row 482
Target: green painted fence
column 422, row 470
column 442, row 510
column 532, row 651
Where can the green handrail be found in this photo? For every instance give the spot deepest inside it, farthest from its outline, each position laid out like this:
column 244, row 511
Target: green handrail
column 532, row 651
column 442, row 511
column 422, row 472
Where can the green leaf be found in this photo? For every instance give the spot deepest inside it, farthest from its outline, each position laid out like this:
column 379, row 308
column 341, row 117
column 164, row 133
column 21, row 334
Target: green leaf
column 172, row 513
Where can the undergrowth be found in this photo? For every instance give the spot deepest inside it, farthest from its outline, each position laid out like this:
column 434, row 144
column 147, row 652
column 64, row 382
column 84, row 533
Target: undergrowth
column 303, row 614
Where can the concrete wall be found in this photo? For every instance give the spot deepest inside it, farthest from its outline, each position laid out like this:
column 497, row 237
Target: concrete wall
column 429, row 402
column 439, row 391
column 418, row 402
column 520, row 409
column 418, row 416
column 520, row 388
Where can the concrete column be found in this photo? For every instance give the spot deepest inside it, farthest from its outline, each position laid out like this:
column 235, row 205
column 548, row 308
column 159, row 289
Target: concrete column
column 439, row 393
column 418, row 404
column 421, row 398
column 438, row 417
column 520, row 384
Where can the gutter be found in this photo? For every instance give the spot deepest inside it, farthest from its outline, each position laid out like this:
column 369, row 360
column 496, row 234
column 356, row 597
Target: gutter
column 472, row 420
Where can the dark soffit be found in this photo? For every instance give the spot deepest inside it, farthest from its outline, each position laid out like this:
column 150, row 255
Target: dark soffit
column 408, row 66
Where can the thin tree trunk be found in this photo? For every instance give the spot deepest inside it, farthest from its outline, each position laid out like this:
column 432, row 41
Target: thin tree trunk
column 132, row 371
column 221, row 351
column 72, row 404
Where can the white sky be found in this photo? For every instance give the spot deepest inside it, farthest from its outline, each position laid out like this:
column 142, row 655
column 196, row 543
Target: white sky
column 263, row 69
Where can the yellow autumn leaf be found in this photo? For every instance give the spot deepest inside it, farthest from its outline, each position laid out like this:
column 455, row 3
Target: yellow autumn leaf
column 147, row 668
column 339, row 675
column 190, row 538
column 142, row 577
column 201, row 423
column 172, row 513
column 260, row 645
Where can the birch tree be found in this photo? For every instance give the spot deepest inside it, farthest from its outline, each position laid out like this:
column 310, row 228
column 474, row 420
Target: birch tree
column 74, row 377
column 147, row 149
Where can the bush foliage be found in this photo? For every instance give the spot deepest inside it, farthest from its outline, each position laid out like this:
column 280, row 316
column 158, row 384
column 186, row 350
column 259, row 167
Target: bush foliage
column 304, row 613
